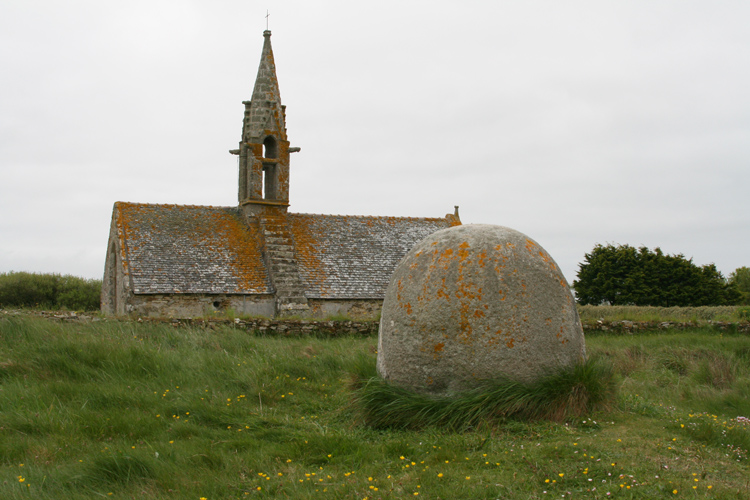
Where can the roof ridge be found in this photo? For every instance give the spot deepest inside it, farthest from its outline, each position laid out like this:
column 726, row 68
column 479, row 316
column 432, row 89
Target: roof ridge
column 370, row 216
column 121, row 203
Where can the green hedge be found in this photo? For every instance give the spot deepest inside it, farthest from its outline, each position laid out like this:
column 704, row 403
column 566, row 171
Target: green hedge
column 49, row 291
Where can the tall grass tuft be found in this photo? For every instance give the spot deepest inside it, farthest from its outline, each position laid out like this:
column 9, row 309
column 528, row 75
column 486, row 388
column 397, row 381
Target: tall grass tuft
column 119, row 469
column 572, row 392
column 717, row 371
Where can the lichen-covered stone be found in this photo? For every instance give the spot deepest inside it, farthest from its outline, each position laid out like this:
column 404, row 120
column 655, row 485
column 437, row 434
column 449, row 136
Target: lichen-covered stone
column 472, row 303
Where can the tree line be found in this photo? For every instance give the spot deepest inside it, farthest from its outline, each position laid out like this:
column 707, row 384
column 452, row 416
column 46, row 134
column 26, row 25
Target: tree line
column 625, row 275
column 49, row 291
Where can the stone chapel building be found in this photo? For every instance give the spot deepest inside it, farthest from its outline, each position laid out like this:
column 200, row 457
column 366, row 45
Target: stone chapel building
column 256, row 258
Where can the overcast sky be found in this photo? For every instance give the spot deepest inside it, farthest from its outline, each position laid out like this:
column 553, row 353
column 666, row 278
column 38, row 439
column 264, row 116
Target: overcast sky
column 576, row 122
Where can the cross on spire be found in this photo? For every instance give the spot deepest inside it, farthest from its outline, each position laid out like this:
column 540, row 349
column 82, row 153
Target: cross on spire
column 267, row 14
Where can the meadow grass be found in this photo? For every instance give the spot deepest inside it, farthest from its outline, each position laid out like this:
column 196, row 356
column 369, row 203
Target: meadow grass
column 700, row 315
column 150, row 411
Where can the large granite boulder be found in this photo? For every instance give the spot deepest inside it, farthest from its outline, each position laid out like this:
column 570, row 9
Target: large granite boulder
column 472, row 303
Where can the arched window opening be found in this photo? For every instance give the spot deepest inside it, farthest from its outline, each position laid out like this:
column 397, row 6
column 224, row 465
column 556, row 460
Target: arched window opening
column 270, row 148
column 268, row 182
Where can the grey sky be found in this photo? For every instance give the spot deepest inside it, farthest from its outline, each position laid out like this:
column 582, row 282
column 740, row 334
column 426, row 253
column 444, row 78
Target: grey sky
column 574, row 122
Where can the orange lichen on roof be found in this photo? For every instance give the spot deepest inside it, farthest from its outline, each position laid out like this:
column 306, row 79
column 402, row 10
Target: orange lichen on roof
column 196, row 249
column 306, row 243
column 190, row 249
column 345, row 256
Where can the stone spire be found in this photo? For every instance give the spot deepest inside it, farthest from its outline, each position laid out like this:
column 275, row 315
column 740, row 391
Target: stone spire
column 264, row 148
column 266, row 114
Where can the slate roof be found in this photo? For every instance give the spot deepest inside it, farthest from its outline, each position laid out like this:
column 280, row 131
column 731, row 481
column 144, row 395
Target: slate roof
column 344, row 256
column 199, row 249
column 190, row 249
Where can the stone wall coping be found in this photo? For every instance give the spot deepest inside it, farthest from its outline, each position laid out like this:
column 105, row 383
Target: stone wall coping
column 283, row 327
column 364, row 327
column 626, row 326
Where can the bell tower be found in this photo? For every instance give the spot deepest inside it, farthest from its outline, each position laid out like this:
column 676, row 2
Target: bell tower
column 264, row 148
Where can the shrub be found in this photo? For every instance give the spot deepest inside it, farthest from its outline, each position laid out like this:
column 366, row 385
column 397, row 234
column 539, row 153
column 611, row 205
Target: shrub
column 52, row 291
column 623, row 275
column 740, row 278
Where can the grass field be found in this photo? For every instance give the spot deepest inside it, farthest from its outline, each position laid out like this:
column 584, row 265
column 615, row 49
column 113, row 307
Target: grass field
column 127, row 410
column 698, row 315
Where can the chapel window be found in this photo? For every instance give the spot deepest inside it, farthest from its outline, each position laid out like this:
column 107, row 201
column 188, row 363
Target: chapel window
column 270, row 148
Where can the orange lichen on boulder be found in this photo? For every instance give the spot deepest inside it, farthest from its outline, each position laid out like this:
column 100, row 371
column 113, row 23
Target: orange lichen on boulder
column 490, row 297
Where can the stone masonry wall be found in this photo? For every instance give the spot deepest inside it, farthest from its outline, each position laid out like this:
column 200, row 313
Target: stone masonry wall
column 358, row 309
column 185, row 306
column 197, row 305
column 288, row 327
column 281, row 327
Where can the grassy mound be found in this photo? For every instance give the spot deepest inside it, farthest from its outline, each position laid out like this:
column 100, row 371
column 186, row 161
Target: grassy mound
column 573, row 392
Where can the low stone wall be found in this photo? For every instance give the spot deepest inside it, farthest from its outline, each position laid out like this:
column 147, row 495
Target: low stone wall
column 625, row 326
column 261, row 326
column 289, row 327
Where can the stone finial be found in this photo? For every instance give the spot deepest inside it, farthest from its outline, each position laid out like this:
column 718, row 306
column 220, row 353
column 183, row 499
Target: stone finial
column 453, row 218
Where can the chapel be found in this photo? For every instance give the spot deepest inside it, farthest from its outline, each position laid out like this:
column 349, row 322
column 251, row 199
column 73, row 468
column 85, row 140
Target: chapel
column 256, row 258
